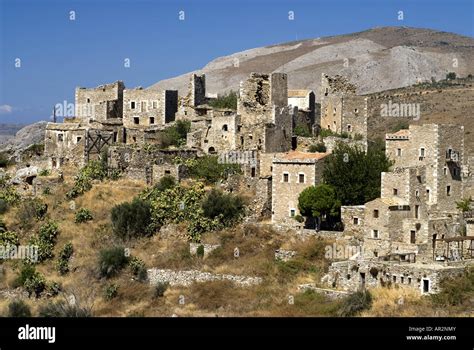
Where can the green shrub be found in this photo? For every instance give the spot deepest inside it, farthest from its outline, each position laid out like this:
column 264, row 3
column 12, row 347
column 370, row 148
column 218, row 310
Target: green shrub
column 175, row 135
column 64, row 309
column 302, row 130
column 299, row 218
column 83, row 215
column 326, row 132
column 53, row 289
column 225, row 206
column 137, row 266
column 18, row 308
column 227, row 101
column 30, row 210
column 111, row 291
column 200, row 251
column 160, row 289
column 401, row 124
column 209, row 169
column 345, row 135
column 3, row 206
column 26, row 272
column 94, row 170
column 36, row 284
column 44, row 172
column 4, row 162
column 455, row 290
column 62, row 265
column 131, row 220
column 111, row 261
column 8, row 237
column 114, row 174
column 319, row 147
column 181, row 204
column 355, row 303
column 165, row 183
column 47, row 191
column 451, row 76
column 45, row 240
column 8, row 192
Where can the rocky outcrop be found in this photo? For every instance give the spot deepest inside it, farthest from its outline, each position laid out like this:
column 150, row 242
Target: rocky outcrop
column 24, row 138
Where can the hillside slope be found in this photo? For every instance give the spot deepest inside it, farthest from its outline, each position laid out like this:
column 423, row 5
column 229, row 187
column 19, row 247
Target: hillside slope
column 377, row 59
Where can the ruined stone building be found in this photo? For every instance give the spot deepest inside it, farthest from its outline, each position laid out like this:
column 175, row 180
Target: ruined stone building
column 97, row 121
column 108, row 115
column 308, row 112
column 262, row 121
column 292, row 172
column 413, row 234
column 342, row 111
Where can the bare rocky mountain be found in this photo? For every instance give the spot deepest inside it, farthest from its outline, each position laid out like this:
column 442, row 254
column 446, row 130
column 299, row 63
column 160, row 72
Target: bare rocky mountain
column 24, row 138
column 377, row 59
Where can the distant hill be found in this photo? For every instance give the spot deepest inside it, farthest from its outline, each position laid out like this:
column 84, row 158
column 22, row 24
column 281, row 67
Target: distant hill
column 8, row 131
column 376, row 59
column 23, row 138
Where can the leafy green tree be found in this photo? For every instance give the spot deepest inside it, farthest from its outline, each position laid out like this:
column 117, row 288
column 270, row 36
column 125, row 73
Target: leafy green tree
column 319, row 202
column 354, row 174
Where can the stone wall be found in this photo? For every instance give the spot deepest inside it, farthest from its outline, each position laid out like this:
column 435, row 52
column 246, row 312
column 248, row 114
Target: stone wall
column 186, row 278
column 284, row 255
column 330, row 293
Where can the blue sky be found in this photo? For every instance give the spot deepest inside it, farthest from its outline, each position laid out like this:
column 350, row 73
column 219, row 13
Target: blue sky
column 58, row 54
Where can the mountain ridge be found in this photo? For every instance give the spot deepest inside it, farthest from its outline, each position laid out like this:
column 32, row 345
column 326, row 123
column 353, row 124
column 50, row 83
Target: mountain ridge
column 375, row 59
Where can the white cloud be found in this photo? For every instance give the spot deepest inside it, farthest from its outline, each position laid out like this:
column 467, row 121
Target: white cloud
column 5, row 109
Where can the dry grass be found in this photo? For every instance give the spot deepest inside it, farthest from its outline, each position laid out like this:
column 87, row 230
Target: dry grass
column 256, row 245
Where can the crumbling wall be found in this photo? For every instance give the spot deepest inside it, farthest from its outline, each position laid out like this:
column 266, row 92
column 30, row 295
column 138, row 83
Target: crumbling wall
column 354, row 275
column 137, row 163
column 65, row 144
column 187, row 277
